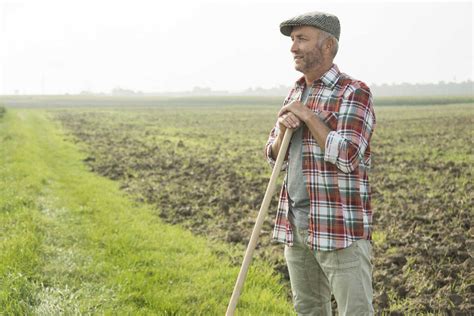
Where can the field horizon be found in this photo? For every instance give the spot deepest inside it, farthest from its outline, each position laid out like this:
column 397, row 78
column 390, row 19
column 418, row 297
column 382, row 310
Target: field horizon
column 51, row 101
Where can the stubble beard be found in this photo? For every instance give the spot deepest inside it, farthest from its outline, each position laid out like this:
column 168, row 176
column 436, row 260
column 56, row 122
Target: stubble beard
column 310, row 61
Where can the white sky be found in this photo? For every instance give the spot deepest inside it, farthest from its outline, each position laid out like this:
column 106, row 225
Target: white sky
column 68, row 46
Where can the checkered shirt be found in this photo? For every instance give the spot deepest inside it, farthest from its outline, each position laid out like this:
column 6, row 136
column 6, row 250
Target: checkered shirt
column 337, row 175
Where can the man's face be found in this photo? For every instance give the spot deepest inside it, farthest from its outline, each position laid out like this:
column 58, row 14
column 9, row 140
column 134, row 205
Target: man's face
column 306, row 50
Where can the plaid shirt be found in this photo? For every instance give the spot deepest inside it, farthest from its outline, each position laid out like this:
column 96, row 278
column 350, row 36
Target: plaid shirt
column 336, row 176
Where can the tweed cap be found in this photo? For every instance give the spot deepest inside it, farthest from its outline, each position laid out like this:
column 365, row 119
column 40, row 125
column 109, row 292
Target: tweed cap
column 324, row 21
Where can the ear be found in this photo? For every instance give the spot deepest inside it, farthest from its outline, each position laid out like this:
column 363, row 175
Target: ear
column 326, row 46
column 329, row 43
column 330, row 46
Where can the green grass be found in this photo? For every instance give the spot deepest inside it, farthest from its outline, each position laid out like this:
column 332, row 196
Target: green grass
column 71, row 242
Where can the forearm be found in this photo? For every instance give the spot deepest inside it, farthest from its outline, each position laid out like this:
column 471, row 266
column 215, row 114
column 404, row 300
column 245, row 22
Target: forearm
column 318, row 129
column 336, row 149
column 277, row 144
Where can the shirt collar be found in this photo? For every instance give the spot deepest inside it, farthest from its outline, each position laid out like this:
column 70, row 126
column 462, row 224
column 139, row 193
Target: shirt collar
column 329, row 79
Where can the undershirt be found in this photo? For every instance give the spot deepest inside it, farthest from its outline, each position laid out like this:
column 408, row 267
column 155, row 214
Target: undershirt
column 296, row 181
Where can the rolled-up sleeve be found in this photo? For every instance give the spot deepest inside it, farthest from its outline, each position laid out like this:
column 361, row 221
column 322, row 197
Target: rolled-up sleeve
column 345, row 146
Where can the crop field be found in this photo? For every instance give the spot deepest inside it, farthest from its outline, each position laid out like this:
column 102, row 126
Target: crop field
column 200, row 166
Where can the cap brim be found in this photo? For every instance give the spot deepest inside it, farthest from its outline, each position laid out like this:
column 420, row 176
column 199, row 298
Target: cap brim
column 286, row 29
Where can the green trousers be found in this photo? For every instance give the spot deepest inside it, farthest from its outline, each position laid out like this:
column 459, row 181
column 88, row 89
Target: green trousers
column 314, row 275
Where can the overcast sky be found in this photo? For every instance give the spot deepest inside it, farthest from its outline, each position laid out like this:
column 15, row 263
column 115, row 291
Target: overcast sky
column 56, row 47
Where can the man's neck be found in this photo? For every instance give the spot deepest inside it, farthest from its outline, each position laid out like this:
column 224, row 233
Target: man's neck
column 316, row 74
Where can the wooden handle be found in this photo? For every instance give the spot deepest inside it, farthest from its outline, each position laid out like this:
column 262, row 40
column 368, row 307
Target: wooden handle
column 259, row 223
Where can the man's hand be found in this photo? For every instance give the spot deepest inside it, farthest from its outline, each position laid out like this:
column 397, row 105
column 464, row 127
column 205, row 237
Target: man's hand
column 296, row 113
column 287, row 120
column 298, row 109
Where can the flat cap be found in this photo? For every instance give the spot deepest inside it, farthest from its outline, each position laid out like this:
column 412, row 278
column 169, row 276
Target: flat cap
column 324, row 21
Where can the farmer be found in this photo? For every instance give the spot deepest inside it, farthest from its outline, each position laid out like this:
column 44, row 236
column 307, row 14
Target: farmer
column 324, row 215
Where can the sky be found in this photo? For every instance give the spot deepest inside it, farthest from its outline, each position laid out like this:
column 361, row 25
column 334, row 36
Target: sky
column 57, row 47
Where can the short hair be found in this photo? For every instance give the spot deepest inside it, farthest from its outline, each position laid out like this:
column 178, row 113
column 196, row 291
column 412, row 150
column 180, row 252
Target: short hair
column 335, row 42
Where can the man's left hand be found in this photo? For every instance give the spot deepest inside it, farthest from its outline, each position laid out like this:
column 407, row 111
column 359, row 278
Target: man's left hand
column 298, row 109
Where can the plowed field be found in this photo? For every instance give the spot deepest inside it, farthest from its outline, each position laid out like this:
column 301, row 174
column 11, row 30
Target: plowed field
column 203, row 168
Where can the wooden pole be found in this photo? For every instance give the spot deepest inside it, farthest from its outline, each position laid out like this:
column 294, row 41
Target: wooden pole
column 259, row 223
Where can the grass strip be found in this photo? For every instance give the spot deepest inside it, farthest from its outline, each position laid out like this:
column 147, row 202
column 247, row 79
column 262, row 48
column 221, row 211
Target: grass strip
column 71, row 242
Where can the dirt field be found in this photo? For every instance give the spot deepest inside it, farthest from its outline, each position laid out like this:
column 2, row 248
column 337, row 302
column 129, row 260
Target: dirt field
column 203, row 168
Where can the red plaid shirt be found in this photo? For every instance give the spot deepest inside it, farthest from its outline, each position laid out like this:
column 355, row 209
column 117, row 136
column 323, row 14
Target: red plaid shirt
column 336, row 176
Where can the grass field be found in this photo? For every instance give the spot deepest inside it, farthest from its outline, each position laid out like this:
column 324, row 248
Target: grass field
column 71, row 242
column 199, row 164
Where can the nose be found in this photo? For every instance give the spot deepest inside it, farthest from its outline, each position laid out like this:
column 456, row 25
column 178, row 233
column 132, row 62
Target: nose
column 294, row 47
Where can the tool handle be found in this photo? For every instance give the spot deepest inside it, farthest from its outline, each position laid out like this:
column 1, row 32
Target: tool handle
column 259, row 223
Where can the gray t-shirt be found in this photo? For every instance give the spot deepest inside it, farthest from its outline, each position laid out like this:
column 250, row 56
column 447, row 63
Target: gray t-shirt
column 296, row 181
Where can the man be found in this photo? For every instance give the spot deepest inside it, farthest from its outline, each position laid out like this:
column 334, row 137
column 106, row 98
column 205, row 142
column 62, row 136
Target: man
column 324, row 215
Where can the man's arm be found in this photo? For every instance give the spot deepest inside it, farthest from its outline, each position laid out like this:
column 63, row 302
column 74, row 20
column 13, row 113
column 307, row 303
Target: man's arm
column 345, row 146
column 269, row 146
column 286, row 120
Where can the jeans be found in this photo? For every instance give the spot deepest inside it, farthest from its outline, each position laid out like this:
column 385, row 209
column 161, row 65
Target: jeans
column 314, row 275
